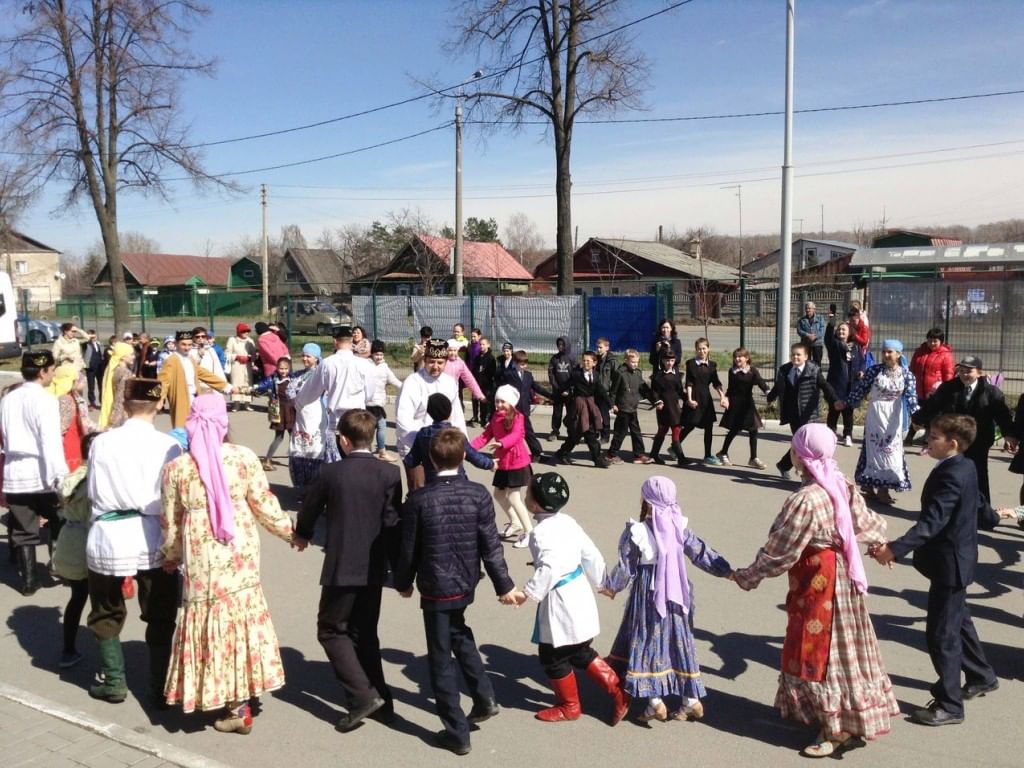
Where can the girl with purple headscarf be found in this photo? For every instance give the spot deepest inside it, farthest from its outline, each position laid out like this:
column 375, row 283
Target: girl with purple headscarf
column 832, row 672
column 215, row 498
column 653, row 652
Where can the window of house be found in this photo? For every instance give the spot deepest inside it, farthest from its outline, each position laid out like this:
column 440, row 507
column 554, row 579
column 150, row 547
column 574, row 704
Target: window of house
column 21, row 267
column 248, row 273
column 652, row 289
column 290, row 277
column 812, row 253
column 579, row 291
column 596, row 291
column 615, row 291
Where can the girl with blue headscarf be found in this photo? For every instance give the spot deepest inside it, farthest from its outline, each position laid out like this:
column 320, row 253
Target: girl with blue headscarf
column 882, row 466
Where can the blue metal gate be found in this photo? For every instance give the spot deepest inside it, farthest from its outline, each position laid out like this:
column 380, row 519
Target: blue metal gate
column 626, row 321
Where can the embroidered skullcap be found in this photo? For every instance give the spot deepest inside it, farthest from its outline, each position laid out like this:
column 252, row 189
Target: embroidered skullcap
column 183, row 336
column 148, row 390
column 550, row 491
column 33, row 362
column 436, row 350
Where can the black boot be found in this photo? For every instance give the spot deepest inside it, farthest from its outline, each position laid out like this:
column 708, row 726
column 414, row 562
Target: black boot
column 675, row 449
column 656, row 450
column 27, row 569
column 159, row 661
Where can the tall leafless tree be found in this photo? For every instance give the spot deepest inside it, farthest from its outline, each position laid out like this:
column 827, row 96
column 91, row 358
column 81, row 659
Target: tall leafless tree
column 89, row 92
column 555, row 58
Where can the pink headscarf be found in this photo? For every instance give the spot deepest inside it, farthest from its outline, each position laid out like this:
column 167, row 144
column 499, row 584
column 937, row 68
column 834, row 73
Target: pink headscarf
column 207, row 425
column 669, row 525
column 815, row 444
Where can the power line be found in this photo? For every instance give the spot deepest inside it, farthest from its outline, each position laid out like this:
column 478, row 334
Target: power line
column 736, row 115
column 432, row 93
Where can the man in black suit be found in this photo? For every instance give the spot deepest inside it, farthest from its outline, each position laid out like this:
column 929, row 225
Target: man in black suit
column 972, row 394
column 92, row 355
column 360, row 498
column 945, row 545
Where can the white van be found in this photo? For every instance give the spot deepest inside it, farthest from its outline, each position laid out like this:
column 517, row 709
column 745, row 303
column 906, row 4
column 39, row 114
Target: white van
column 9, row 346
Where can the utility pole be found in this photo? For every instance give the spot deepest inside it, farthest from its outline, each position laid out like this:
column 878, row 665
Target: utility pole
column 264, row 257
column 739, row 198
column 822, row 221
column 782, row 318
column 457, row 259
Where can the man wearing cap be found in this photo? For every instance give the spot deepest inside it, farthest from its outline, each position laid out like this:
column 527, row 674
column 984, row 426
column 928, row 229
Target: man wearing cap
column 126, row 465
column 342, row 378
column 34, row 460
column 972, row 394
column 180, row 378
column 241, row 354
column 411, row 412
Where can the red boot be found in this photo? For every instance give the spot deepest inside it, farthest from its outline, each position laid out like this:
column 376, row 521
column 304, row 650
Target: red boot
column 567, row 698
column 599, row 671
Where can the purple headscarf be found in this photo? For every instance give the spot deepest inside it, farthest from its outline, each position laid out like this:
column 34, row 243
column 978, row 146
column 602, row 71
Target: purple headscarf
column 669, row 525
column 815, row 444
column 207, row 425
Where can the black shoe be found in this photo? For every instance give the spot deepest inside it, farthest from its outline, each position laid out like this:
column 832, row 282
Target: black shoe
column 27, row 568
column 934, row 714
column 602, row 463
column 483, row 710
column 384, row 715
column 357, row 714
column 553, row 435
column 973, row 690
column 562, row 458
column 445, row 740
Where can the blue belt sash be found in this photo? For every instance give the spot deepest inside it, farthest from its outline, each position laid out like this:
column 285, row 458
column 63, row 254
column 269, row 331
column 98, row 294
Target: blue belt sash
column 560, row 583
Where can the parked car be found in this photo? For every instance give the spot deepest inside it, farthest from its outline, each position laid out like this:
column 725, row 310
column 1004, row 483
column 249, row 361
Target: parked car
column 39, row 331
column 313, row 316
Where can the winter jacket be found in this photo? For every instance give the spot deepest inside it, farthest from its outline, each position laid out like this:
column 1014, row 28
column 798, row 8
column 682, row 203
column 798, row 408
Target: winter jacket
column 987, row 406
column 561, row 366
column 932, row 368
column 799, row 402
column 628, row 388
column 513, row 453
column 447, row 527
column 844, row 364
column 606, row 372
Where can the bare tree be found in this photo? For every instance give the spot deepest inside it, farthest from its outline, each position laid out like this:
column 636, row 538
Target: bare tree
column 556, row 58
column 90, row 91
column 523, row 240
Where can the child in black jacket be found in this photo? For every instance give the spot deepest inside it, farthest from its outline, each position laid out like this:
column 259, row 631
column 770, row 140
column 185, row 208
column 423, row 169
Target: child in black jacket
column 485, row 371
column 628, row 388
column 584, row 414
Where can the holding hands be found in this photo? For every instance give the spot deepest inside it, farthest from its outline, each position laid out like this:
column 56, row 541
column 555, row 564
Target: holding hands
column 882, row 554
column 299, row 544
column 516, row 598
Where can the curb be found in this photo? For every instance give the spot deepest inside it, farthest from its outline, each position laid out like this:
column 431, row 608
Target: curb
column 116, row 733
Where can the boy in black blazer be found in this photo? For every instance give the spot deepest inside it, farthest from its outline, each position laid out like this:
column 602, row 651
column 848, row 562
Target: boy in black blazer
column 360, row 498
column 945, row 545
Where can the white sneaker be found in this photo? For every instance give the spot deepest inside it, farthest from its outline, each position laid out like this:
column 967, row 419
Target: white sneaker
column 848, row 441
column 522, row 542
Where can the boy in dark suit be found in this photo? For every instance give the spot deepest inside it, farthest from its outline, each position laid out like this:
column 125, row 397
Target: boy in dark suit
column 447, row 528
column 584, row 419
column 945, row 545
column 521, row 378
column 360, row 497
column 797, row 385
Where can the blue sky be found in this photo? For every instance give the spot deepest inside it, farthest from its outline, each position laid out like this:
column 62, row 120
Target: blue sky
column 283, row 64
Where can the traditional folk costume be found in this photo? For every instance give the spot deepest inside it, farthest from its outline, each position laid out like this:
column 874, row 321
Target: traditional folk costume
column 112, row 390
column 280, row 411
column 215, row 499
column 882, row 463
column 411, row 410
column 182, row 380
column 832, row 672
column 653, row 651
column 342, row 379
column 311, row 444
column 241, row 355
column 125, row 468
column 567, row 619
column 33, row 463
column 74, row 412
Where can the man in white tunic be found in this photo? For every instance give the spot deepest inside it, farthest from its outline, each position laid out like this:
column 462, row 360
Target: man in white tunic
column 125, row 468
column 34, row 460
column 342, row 378
column 411, row 411
column 565, row 559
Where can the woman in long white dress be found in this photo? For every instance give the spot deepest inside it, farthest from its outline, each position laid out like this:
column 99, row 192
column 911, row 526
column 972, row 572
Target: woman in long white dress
column 882, row 466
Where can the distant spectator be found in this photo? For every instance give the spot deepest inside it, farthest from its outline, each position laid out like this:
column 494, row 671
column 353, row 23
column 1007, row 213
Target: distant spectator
column 665, row 337
column 811, row 330
column 932, row 364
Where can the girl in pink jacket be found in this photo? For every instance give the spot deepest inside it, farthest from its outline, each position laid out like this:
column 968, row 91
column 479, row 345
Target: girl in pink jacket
column 506, row 433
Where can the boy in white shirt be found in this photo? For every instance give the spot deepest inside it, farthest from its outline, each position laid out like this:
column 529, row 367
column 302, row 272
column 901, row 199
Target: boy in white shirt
column 377, row 395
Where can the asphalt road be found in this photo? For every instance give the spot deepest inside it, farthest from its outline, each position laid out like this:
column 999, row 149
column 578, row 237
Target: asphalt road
column 739, row 636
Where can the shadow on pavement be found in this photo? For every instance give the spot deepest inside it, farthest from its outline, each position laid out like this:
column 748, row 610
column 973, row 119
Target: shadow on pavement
column 753, row 720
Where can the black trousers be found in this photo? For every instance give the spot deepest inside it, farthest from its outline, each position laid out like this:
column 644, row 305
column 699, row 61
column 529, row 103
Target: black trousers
column 953, row 645
column 833, row 420
column 817, row 353
column 559, row 408
column 531, row 438
column 627, row 422
column 575, row 436
column 26, row 509
column 606, row 415
column 73, row 612
column 451, row 649
column 980, row 458
column 558, row 661
column 786, row 462
column 346, row 626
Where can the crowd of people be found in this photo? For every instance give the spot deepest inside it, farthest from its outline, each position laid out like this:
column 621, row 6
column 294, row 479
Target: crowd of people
column 129, row 510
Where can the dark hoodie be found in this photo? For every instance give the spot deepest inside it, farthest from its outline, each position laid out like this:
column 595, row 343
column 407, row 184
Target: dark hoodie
column 561, row 366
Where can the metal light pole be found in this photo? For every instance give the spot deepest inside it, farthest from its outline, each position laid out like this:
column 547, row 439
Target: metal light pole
column 457, row 256
column 739, row 198
column 264, row 256
column 786, row 250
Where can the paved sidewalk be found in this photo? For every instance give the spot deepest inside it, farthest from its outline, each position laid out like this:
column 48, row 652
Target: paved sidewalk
column 37, row 732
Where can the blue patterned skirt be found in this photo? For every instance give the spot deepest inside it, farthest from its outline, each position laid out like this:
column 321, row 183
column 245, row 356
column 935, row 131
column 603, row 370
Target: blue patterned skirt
column 655, row 656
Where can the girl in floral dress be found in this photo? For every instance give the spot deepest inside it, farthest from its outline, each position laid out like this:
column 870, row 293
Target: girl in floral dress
column 832, row 672
column 653, row 652
column 882, row 465
column 225, row 650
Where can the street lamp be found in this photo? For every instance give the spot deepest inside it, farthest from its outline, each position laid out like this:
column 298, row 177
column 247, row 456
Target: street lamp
column 457, row 257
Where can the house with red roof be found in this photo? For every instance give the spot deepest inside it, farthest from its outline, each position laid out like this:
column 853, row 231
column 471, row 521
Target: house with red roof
column 423, row 266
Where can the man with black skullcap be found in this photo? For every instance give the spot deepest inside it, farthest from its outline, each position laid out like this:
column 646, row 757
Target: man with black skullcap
column 34, row 460
column 180, row 378
column 411, row 412
column 126, row 465
column 343, row 378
